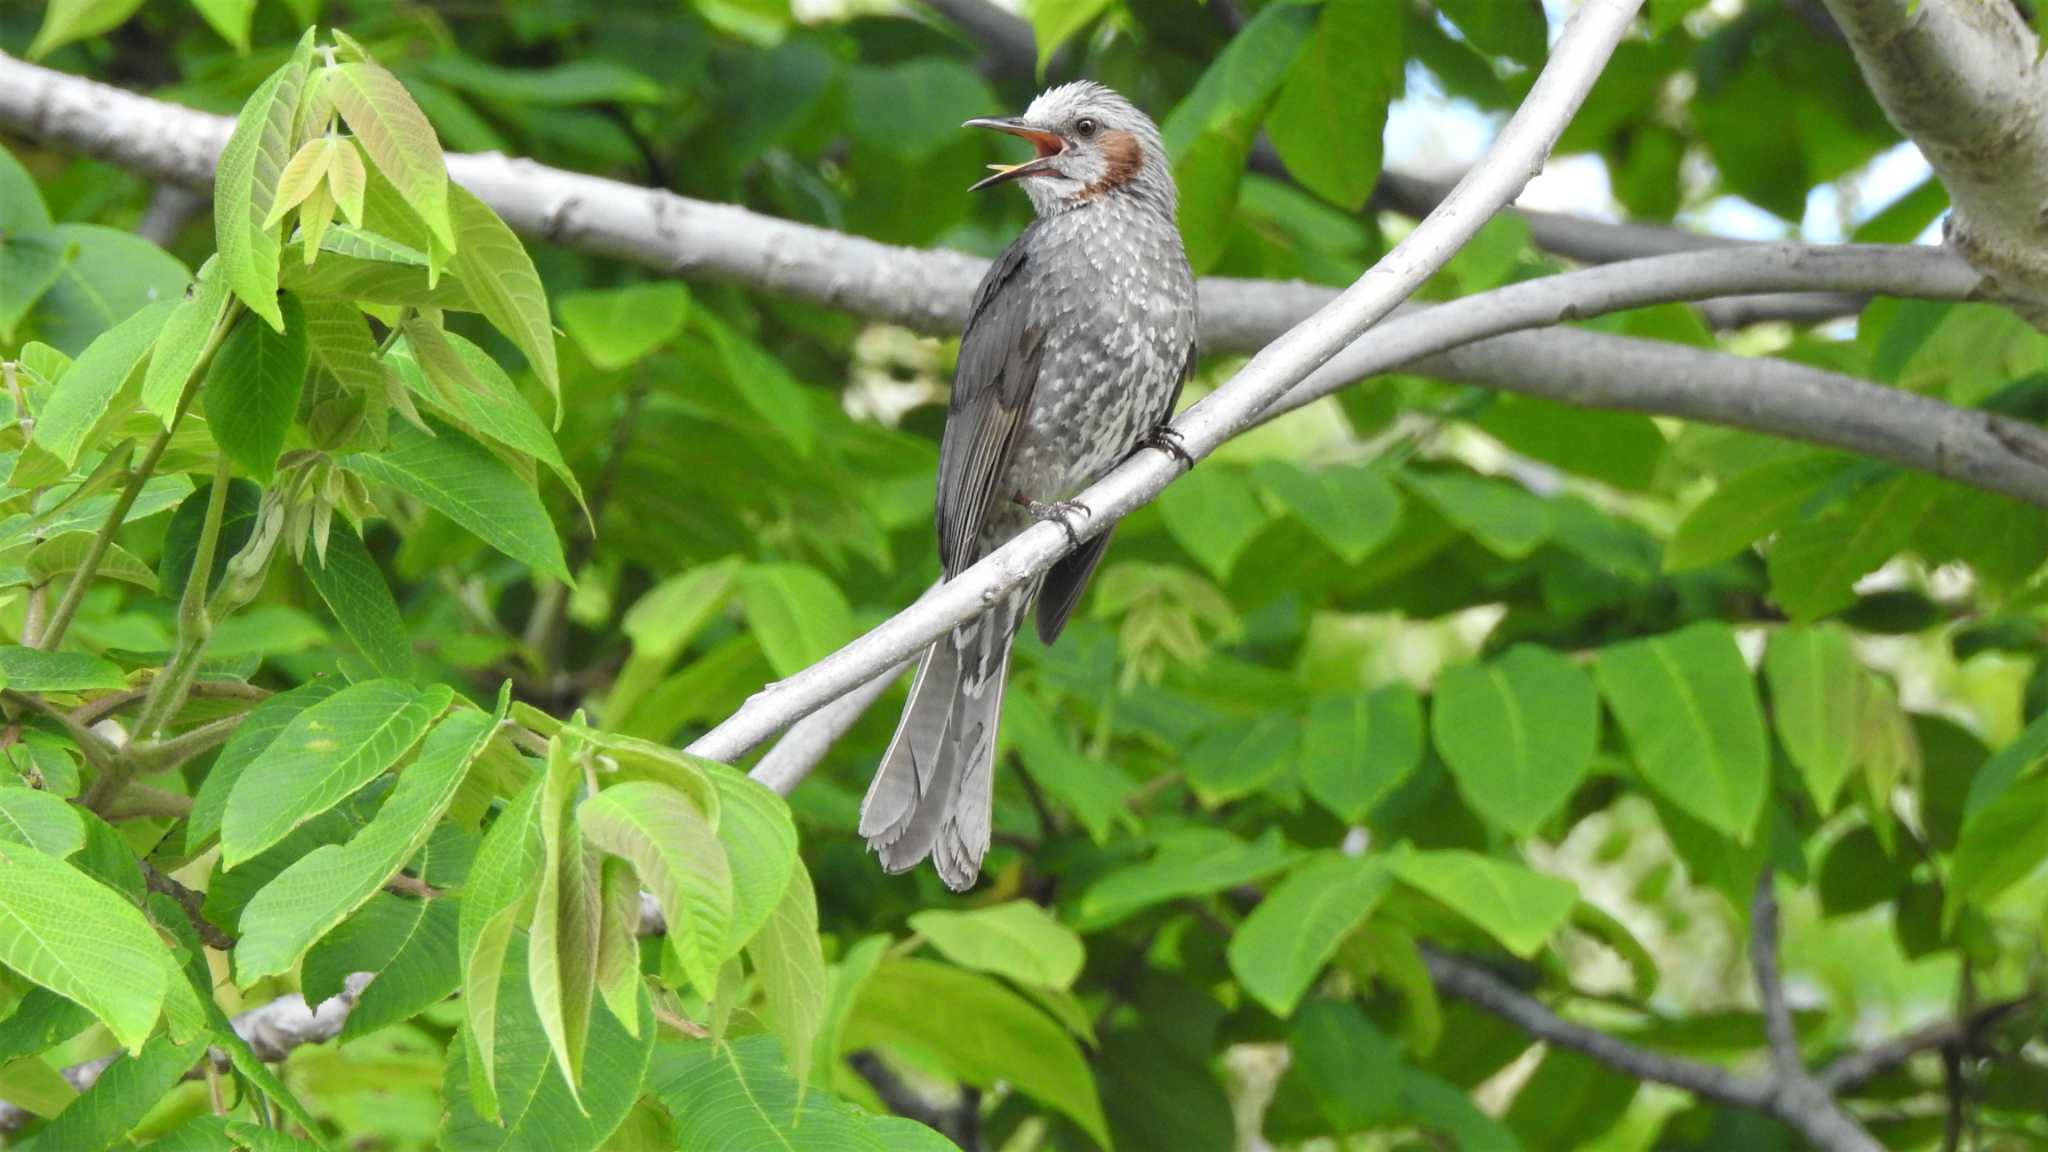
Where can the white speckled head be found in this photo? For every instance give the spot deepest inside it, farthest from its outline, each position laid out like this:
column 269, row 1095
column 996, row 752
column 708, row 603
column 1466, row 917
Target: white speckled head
column 1093, row 145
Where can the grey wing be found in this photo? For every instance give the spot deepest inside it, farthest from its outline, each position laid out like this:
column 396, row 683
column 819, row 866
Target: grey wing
column 992, row 386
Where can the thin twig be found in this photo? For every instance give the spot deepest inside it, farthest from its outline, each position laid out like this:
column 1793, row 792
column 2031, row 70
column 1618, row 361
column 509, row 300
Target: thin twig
column 1780, row 1036
column 194, row 904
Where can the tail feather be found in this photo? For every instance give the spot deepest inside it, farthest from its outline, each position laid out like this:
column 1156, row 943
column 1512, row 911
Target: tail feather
column 933, row 793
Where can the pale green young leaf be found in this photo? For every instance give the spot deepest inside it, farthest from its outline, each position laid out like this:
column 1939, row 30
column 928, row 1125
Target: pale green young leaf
column 316, row 214
column 618, row 327
column 371, row 268
column 245, row 185
column 618, row 942
column 252, row 737
column 63, row 555
column 252, row 390
column 323, row 757
column 1355, row 750
column 1283, row 945
column 36, row 1087
column 1516, row 906
column 795, row 613
column 184, row 340
column 740, row 1095
column 42, row 821
column 679, row 858
column 790, row 968
column 305, row 171
column 483, row 977
column 534, row 1108
column 25, row 669
column 1688, row 707
column 1518, row 734
column 1816, row 702
column 347, row 179
column 399, row 141
column 460, row 479
column 68, row 21
column 1016, row 939
column 501, row 279
column 90, row 397
column 919, row 1004
column 759, row 837
column 76, row 937
column 561, row 959
column 321, row 889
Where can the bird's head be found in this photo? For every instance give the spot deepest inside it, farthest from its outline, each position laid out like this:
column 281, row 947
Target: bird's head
column 1092, row 144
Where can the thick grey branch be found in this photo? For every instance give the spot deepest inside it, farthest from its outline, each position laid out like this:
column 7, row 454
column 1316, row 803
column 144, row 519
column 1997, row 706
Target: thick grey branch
column 1964, row 80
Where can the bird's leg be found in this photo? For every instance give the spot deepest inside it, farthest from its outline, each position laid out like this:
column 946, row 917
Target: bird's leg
column 1168, row 439
column 1061, row 511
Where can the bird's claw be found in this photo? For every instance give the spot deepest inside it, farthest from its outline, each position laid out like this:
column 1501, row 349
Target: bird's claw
column 1060, row 511
column 1169, row 440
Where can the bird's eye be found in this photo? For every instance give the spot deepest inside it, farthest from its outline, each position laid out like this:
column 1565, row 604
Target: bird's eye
column 1084, row 127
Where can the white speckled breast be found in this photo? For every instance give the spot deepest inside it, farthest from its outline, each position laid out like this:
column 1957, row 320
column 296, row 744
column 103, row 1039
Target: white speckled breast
column 1118, row 312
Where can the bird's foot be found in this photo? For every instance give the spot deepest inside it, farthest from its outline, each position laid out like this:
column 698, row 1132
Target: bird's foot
column 1061, row 511
column 1169, row 440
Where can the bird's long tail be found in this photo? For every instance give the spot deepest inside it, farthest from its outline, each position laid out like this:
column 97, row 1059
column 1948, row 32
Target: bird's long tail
column 933, row 794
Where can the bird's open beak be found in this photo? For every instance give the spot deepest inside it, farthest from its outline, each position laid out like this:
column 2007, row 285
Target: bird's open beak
column 1048, row 144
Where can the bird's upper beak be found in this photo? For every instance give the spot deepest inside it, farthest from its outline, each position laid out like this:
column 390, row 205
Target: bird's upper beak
column 1048, row 144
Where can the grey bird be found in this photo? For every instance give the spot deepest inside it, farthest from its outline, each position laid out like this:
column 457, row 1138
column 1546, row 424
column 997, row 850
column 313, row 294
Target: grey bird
column 1076, row 347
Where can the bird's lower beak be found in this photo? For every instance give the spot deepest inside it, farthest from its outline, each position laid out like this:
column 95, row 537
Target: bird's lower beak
column 1048, row 144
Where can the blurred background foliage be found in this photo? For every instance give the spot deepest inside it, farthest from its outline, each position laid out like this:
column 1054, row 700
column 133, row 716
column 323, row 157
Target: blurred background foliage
column 1571, row 678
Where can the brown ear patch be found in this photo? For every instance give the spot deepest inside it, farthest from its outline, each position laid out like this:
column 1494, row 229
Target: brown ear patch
column 1122, row 158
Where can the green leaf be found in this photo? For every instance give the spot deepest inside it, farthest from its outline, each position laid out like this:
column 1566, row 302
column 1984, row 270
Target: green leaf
column 21, row 202
column 1239, row 758
column 252, row 391
column 252, row 737
column 2001, row 843
column 1016, row 939
column 460, row 479
column 230, row 18
column 66, row 554
column 120, row 1098
column 353, row 588
column 323, row 757
column 1623, row 449
column 1355, row 750
column 679, row 858
column 181, row 536
column 68, row 21
column 1517, row 733
column 1569, row 1102
column 618, row 942
column 1508, row 520
column 111, row 275
column 1687, row 705
column 90, row 397
column 759, row 837
column 538, row 1111
column 399, row 141
column 1053, row 22
column 920, row 1004
column 561, row 959
column 795, row 613
column 1327, row 124
column 1233, row 93
column 1189, row 863
column 40, row 821
column 1281, row 947
column 1817, row 703
column 738, row 1095
column 1816, row 563
column 30, row 670
column 1212, row 513
column 1514, row 905
column 408, row 944
column 618, row 327
column 1512, row 28
column 557, row 85
column 31, row 261
column 762, row 381
column 790, row 967
column 1352, row 509
column 499, row 274
column 245, row 185
column 183, row 341
column 321, row 889
column 462, row 382
column 1351, row 1069
column 494, row 904
column 79, row 939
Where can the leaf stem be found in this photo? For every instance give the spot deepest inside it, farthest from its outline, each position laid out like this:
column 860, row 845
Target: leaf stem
column 195, row 626
column 81, row 581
